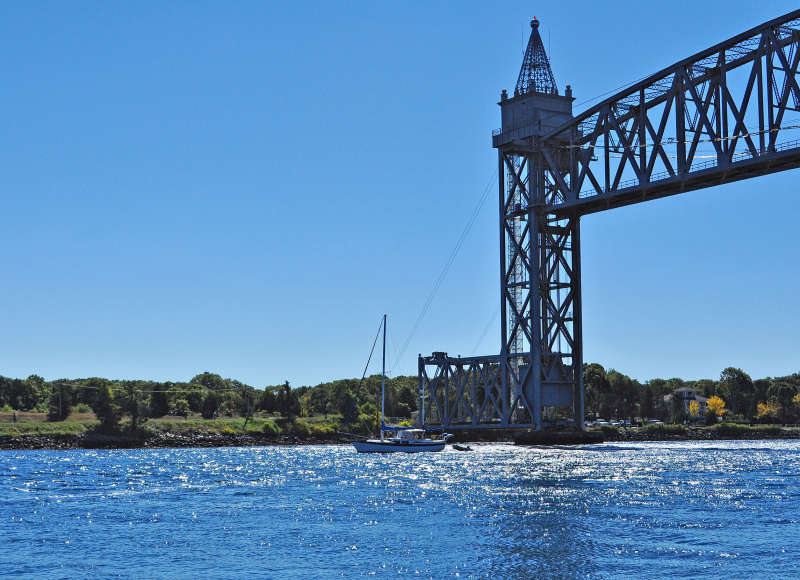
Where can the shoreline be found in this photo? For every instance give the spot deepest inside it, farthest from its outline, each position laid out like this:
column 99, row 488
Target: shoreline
column 160, row 441
column 206, row 439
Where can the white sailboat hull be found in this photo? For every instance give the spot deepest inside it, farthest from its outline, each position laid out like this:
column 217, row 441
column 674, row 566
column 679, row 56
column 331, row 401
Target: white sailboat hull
column 378, row 446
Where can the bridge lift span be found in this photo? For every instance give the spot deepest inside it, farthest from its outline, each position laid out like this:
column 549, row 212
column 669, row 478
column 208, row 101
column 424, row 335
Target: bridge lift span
column 716, row 117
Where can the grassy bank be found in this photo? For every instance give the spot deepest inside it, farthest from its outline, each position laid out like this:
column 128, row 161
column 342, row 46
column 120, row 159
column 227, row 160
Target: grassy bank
column 32, row 431
column 266, row 427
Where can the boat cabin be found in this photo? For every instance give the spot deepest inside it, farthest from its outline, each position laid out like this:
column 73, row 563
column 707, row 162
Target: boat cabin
column 409, row 435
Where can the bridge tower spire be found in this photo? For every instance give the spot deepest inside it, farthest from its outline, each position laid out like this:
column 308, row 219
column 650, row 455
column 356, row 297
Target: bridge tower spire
column 535, row 75
column 540, row 350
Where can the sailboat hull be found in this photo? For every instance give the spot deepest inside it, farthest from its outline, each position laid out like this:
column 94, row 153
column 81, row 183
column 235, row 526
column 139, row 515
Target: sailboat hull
column 377, row 446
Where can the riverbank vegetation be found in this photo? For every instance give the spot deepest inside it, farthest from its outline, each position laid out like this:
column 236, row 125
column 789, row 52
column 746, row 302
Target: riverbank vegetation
column 208, row 403
column 734, row 397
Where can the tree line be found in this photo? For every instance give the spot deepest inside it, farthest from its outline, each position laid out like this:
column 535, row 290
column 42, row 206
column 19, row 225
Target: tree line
column 209, row 395
column 611, row 394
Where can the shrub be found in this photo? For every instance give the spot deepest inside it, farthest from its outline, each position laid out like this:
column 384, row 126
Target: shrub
column 745, row 431
column 365, row 423
column 609, row 431
column 270, row 429
column 300, row 429
column 664, row 430
column 324, row 431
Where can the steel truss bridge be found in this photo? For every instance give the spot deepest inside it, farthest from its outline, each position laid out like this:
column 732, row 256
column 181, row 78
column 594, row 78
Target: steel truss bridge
column 719, row 116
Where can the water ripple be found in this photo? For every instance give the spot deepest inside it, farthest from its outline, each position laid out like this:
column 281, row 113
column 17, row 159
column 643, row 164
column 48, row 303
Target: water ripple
column 716, row 509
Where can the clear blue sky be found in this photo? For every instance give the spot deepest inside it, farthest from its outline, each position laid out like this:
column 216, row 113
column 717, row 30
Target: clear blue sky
column 246, row 187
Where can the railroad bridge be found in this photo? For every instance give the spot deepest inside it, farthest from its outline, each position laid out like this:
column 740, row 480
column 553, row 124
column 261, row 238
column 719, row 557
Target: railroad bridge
column 645, row 142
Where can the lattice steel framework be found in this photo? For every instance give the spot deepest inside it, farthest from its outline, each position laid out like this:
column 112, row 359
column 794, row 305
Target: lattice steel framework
column 713, row 118
column 535, row 76
column 722, row 115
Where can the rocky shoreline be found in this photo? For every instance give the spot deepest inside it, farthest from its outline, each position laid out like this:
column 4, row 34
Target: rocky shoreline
column 161, row 440
column 205, row 439
column 700, row 434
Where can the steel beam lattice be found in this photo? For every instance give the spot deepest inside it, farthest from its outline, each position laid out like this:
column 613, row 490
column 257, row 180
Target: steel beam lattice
column 722, row 115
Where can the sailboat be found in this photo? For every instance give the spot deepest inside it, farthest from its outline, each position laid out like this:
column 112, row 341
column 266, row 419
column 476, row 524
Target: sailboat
column 397, row 439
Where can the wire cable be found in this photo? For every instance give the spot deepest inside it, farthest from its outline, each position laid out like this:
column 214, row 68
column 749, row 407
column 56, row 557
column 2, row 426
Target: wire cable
column 485, row 331
column 446, row 268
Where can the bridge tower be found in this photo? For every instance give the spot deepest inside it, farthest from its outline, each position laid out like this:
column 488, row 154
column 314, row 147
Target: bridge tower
column 721, row 115
column 540, row 294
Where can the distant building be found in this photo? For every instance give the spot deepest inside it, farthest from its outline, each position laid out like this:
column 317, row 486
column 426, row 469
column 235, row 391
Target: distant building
column 687, row 395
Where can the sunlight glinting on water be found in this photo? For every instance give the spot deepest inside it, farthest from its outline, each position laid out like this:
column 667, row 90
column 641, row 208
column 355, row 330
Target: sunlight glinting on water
column 689, row 508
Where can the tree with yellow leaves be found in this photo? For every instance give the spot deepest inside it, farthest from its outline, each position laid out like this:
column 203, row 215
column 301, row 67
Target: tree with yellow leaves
column 768, row 410
column 716, row 405
column 694, row 408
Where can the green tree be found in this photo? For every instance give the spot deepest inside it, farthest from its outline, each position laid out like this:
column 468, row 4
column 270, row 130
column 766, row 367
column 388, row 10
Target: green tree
column 159, row 404
column 736, row 388
column 181, row 407
column 35, row 393
column 59, row 406
column 211, row 381
column 194, row 394
column 132, row 401
column 210, row 405
column 783, row 393
column 760, row 388
column 288, row 404
column 596, row 390
column 647, row 407
column 706, row 387
column 625, row 392
column 269, row 399
column 106, row 409
column 679, row 414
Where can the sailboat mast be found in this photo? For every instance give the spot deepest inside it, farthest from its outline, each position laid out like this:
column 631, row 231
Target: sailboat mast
column 383, row 377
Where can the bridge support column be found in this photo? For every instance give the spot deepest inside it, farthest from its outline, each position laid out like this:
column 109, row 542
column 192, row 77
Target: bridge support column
column 540, row 289
column 556, row 348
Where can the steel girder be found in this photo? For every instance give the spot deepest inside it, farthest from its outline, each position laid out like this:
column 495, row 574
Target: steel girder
column 463, row 393
column 716, row 117
column 541, row 347
column 719, row 116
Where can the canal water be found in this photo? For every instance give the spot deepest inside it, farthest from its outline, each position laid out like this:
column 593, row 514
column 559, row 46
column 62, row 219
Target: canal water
column 689, row 509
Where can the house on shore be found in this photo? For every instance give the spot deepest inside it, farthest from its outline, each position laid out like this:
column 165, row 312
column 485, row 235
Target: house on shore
column 687, row 395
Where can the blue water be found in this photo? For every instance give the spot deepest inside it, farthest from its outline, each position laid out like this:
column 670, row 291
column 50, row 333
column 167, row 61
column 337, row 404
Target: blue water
column 723, row 509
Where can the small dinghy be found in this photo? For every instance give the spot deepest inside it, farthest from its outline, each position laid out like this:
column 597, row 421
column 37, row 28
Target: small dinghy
column 459, row 447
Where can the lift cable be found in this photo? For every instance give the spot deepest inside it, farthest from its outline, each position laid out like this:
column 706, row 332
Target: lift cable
column 446, row 268
column 485, row 331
